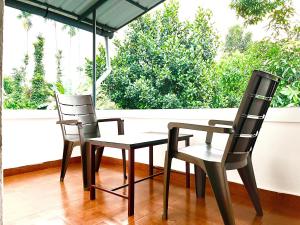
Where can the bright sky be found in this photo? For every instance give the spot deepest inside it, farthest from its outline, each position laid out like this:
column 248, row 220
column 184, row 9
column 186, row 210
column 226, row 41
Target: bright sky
column 80, row 46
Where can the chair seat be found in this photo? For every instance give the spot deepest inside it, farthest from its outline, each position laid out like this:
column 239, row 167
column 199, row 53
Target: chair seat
column 202, row 151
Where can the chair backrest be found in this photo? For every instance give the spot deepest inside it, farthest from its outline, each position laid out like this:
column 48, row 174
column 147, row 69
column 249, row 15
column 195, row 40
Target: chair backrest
column 77, row 107
column 252, row 111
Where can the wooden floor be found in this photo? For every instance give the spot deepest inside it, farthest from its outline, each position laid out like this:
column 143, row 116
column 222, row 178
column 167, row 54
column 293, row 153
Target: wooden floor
column 39, row 198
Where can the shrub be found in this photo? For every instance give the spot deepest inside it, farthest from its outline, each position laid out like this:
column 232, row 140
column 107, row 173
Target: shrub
column 40, row 89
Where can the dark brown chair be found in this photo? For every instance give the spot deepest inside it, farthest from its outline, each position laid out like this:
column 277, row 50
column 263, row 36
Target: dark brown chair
column 243, row 132
column 78, row 121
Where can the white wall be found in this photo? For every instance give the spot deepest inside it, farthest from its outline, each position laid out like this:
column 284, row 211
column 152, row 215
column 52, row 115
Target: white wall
column 31, row 137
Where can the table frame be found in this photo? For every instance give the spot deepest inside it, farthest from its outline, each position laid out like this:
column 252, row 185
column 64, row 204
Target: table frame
column 93, row 145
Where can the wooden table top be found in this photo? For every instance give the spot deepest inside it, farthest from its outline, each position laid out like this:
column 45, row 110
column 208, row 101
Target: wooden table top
column 135, row 140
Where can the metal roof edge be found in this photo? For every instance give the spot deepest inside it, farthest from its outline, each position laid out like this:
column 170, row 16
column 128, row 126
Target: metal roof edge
column 58, row 15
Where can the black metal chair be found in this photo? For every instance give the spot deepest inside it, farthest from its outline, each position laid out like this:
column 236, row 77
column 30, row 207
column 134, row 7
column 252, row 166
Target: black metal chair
column 243, row 132
column 78, row 121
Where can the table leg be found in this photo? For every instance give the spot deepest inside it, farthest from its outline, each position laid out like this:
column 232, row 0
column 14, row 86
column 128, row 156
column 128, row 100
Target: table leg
column 151, row 161
column 187, row 168
column 131, row 182
column 98, row 158
column 92, row 149
column 187, row 175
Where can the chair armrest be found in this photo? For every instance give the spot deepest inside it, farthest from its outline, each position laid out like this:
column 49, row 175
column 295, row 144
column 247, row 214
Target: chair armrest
column 174, row 132
column 206, row 128
column 108, row 120
column 69, row 122
column 220, row 122
column 119, row 121
column 209, row 135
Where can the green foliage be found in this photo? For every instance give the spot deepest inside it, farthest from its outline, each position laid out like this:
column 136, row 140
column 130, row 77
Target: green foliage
column 25, row 17
column 282, row 59
column 18, row 95
column 278, row 12
column 279, row 58
column 232, row 74
column 58, row 84
column 15, row 89
column 100, row 63
column 58, row 58
column 8, row 85
column 59, row 88
column 40, row 91
column 72, row 31
column 103, row 101
column 164, row 63
column 293, row 94
column 237, row 39
column 26, row 21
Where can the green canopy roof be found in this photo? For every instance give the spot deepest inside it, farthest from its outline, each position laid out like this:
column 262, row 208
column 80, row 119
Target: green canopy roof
column 111, row 14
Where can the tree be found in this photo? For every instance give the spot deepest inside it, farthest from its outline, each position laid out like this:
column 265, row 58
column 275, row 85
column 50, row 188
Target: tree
column 27, row 24
column 164, row 63
column 55, row 34
column 15, row 88
column 100, row 63
column 40, row 91
column 59, row 84
column 102, row 99
column 281, row 58
column 279, row 14
column 58, row 58
column 25, row 17
column 237, row 39
column 72, row 31
column 8, row 85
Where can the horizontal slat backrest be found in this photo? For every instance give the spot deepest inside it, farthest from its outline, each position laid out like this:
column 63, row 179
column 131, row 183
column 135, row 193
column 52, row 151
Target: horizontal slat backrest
column 252, row 110
column 77, row 107
column 85, row 119
column 75, row 99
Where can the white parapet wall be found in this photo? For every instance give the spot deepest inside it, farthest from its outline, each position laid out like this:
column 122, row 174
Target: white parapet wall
column 32, row 137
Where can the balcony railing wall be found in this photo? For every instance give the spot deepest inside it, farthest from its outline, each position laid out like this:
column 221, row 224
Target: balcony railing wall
column 31, row 137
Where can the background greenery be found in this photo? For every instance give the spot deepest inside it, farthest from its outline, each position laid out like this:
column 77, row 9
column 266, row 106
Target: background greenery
column 163, row 62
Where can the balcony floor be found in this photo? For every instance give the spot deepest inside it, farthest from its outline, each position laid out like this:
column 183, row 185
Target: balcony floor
column 39, row 198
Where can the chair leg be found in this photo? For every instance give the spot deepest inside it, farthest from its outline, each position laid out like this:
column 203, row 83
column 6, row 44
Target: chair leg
column 248, row 178
column 67, row 151
column 98, row 158
column 124, row 163
column 167, row 171
column 85, row 166
column 218, row 180
column 200, row 181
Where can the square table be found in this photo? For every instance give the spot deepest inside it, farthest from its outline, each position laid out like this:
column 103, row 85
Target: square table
column 130, row 142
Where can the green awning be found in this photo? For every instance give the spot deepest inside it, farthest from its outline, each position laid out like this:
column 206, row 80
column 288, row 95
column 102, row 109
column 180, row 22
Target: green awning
column 111, row 14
